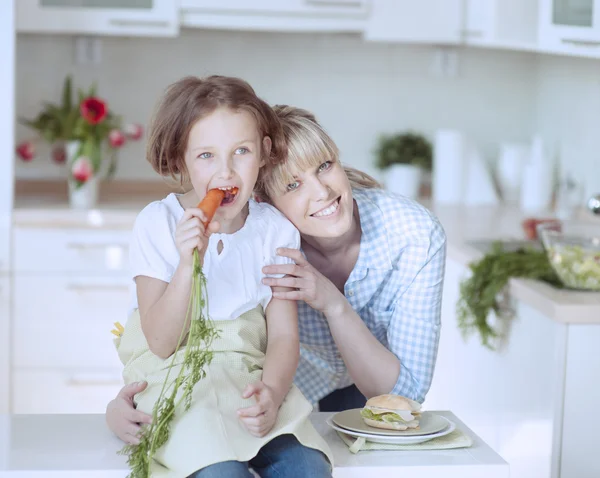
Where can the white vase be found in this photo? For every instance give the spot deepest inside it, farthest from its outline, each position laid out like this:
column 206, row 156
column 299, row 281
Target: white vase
column 85, row 196
column 404, row 179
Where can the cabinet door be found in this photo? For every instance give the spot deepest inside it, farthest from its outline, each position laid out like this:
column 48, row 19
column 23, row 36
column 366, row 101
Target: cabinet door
column 426, row 21
column 4, row 344
column 275, row 15
column 69, row 322
column 570, row 26
column 7, row 127
column 52, row 391
column 101, row 17
column 278, row 7
column 502, row 23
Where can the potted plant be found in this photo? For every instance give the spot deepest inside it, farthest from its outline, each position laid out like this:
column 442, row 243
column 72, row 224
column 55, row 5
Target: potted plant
column 85, row 135
column 404, row 157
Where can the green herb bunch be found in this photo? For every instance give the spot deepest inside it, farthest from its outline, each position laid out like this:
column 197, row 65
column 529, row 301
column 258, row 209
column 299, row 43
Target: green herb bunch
column 404, row 148
column 179, row 393
column 479, row 294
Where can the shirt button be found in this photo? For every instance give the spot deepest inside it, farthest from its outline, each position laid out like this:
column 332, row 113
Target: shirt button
column 350, row 292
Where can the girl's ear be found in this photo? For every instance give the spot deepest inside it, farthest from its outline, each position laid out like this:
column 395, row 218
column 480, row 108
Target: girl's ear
column 266, row 152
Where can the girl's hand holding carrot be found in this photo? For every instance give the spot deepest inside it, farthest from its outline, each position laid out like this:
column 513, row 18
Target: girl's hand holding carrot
column 196, row 226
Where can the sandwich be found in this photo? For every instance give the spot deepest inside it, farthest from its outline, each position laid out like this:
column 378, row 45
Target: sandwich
column 392, row 412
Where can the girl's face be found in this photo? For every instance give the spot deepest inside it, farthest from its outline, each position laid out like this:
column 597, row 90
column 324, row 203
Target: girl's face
column 224, row 151
column 319, row 202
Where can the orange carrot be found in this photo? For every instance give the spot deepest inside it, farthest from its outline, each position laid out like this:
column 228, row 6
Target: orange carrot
column 210, row 203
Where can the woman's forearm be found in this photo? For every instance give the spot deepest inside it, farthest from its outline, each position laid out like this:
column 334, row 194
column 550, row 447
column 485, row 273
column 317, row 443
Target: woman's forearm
column 373, row 368
column 162, row 322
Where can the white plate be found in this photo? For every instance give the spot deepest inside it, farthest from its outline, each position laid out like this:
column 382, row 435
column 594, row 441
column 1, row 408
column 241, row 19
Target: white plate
column 352, row 420
column 396, row 440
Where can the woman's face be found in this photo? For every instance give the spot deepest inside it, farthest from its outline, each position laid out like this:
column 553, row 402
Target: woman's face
column 319, row 201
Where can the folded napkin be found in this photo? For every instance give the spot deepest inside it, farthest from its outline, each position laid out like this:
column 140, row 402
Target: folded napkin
column 456, row 439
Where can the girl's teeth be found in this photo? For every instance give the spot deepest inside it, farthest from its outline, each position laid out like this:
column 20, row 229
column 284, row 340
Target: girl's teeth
column 327, row 212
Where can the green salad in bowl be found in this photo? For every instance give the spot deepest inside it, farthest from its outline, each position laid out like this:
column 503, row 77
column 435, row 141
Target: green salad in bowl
column 573, row 250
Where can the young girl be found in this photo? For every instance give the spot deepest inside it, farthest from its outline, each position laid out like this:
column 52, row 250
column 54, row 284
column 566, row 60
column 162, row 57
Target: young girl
column 215, row 133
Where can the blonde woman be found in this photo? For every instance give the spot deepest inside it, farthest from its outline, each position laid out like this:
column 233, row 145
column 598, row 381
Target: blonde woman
column 368, row 279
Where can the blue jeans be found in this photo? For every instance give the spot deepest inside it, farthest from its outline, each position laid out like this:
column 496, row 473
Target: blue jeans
column 342, row 399
column 282, row 457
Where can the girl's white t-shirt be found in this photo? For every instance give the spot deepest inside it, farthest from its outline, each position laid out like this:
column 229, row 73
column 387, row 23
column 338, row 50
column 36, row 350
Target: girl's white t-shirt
column 234, row 276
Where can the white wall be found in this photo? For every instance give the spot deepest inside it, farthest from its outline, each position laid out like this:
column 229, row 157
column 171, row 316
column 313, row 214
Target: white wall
column 567, row 115
column 358, row 90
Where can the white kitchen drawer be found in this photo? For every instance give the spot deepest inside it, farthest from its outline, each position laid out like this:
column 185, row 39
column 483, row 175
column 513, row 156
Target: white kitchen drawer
column 62, row 321
column 64, row 391
column 70, row 250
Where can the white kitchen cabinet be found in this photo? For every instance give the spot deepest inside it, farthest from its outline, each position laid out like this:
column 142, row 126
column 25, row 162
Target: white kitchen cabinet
column 88, row 251
column 501, row 23
column 7, row 154
column 570, row 27
column 66, row 298
column 534, row 401
column 425, row 21
column 275, row 15
column 99, row 17
column 52, row 391
column 5, row 344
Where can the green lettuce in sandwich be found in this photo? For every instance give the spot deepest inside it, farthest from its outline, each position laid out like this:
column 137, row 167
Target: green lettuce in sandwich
column 392, row 412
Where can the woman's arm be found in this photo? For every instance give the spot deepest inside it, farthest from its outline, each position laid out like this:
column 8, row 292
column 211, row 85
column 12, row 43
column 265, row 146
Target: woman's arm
column 406, row 368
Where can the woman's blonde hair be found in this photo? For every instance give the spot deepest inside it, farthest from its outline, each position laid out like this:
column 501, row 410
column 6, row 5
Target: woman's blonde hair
column 308, row 146
column 190, row 99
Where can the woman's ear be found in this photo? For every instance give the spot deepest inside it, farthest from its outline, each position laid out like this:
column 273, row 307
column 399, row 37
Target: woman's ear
column 267, row 144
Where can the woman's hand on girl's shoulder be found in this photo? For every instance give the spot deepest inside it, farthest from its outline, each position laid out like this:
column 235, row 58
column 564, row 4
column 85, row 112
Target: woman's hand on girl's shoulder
column 191, row 234
column 308, row 284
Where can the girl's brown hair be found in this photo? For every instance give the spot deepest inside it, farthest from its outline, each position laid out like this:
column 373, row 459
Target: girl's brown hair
column 308, row 146
column 190, row 99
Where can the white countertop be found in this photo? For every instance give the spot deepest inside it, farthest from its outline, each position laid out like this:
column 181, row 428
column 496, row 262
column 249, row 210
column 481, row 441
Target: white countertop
column 69, row 446
column 463, row 225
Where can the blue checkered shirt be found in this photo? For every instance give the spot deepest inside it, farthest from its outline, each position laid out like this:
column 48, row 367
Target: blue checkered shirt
column 395, row 287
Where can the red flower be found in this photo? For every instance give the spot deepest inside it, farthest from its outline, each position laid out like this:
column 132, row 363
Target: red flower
column 93, row 110
column 134, row 131
column 59, row 155
column 26, row 151
column 116, row 138
column 82, row 169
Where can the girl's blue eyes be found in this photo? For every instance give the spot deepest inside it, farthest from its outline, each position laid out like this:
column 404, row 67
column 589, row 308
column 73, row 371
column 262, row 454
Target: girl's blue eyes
column 292, row 186
column 237, row 151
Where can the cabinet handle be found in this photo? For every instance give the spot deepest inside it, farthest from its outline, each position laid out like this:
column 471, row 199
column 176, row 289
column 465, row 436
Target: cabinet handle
column 472, row 33
column 334, row 3
column 581, row 42
column 98, row 287
column 121, row 22
column 83, row 379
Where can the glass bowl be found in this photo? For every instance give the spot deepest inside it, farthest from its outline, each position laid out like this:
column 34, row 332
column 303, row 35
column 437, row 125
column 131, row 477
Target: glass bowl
column 573, row 250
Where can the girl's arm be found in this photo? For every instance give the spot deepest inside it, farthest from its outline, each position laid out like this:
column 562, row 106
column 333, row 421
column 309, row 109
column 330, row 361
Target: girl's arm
column 163, row 309
column 164, row 306
column 283, row 353
column 283, row 346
